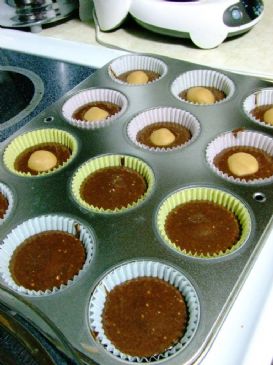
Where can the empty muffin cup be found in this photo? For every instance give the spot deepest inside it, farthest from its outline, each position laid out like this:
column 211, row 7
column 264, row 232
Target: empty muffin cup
column 6, row 202
column 136, row 70
column 44, row 250
column 126, row 274
column 94, row 108
column 242, row 156
column 163, row 129
column 187, row 221
column 40, row 152
column 258, row 107
column 203, row 87
column 112, row 183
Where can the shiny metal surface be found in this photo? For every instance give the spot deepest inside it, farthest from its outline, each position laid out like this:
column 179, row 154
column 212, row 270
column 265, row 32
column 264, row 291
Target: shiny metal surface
column 132, row 235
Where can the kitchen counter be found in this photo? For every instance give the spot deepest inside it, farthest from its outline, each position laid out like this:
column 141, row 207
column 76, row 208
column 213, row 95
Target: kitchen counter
column 249, row 53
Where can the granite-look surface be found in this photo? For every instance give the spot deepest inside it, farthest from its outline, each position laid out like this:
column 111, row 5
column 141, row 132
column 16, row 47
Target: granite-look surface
column 250, row 53
column 58, row 78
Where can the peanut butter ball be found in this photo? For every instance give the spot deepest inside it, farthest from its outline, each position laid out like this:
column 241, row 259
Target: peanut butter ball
column 42, row 161
column 242, row 164
column 137, row 77
column 162, row 137
column 200, row 95
column 95, row 113
column 268, row 116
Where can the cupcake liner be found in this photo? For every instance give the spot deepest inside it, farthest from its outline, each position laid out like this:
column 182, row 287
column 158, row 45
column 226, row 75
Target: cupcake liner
column 108, row 161
column 166, row 114
column 138, row 269
column 93, row 95
column 240, row 138
column 6, row 192
column 136, row 62
column 217, row 196
column 258, row 98
column 35, row 137
column 204, row 78
column 38, row 225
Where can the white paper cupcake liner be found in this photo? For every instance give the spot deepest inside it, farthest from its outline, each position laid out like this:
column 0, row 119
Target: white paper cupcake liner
column 93, row 95
column 136, row 62
column 258, row 98
column 138, row 269
column 241, row 138
column 38, row 225
column 163, row 114
column 204, row 78
column 7, row 193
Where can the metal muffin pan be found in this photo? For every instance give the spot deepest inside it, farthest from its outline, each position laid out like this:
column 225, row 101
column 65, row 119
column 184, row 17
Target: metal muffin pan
column 132, row 235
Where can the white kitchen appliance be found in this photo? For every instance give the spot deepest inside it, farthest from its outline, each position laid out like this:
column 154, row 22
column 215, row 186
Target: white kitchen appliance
column 206, row 22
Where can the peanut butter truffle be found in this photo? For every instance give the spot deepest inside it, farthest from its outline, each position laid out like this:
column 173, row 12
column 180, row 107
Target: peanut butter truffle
column 242, row 164
column 42, row 160
column 95, row 113
column 144, row 316
column 200, row 95
column 137, row 77
column 162, row 137
column 268, row 116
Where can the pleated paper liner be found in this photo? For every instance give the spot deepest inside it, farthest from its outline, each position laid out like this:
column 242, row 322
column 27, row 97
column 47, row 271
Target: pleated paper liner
column 105, row 161
column 7, row 194
column 217, row 196
column 87, row 96
column 136, row 62
column 203, row 78
column 235, row 139
column 34, row 138
column 37, row 225
column 163, row 114
column 138, row 269
column 259, row 98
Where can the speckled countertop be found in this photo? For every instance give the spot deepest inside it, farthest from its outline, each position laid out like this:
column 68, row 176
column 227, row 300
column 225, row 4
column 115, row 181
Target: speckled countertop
column 249, row 53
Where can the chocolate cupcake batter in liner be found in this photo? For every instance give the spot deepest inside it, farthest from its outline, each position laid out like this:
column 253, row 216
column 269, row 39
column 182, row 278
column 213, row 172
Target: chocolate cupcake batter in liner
column 183, row 126
column 205, row 79
column 126, row 64
column 250, row 141
column 256, row 104
column 40, row 139
column 112, row 187
column 39, row 226
column 228, row 203
column 115, row 104
column 136, row 270
column 7, row 202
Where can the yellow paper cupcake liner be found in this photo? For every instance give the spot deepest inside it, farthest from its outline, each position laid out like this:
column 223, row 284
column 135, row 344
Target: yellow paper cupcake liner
column 220, row 197
column 30, row 139
column 109, row 161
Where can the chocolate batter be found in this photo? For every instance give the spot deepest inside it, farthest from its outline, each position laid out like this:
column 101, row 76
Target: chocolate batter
column 60, row 151
column 3, row 205
column 202, row 227
column 144, row 316
column 258, row 111
column 182, row 134
column 218, row 94
column 113, row 187
column 111, row 108
column 152, row 76
column 46, row 260
column 265, row 161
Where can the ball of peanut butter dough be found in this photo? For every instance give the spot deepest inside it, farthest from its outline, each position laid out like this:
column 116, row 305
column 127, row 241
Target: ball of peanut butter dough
column 200, row 95
column 162, row 137
column 42, row 161
column 95, row 113
column 242, row 164
column 268, row 116
column 137, row 77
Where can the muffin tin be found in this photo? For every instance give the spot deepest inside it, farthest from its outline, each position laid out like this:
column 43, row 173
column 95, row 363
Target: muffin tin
column 132, row 237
